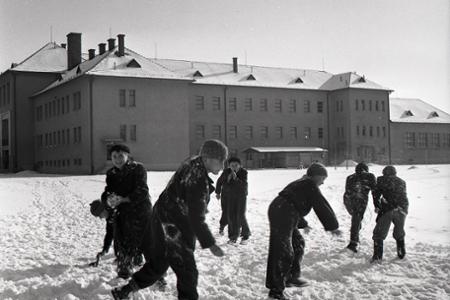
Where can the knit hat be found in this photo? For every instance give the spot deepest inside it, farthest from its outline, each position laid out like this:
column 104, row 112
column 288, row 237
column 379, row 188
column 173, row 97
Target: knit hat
column 389, row 170
column 214, row 149
column 119, row 147
column 97, row 207
column 361, row 167
column 234, row 159
column 317, row 169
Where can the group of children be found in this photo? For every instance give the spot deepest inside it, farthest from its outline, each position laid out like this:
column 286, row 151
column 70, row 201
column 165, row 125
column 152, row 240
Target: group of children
column 166, row 234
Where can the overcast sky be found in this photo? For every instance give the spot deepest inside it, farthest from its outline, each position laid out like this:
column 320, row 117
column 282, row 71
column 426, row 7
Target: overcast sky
column 400, row 44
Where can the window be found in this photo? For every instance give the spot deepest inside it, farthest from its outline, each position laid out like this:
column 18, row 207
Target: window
column 68, row 135
column 58, row 107
column 410, row 140
column 370, row 105
column 122, row 100
column 446, row 140
column 342, row 105
column 382, row 105
column 306, row 106
column 337, row 105
column 8, row 93
column 39, row 113
column 77, row 101
column 200, row 131
column 263, row 105
column 422, row 141
column 378, row 131
column 356, row 104
column 233, row 132
column 279, row 132
column 384, row 131
column 216, row 131
column 357, row 130
column 46, row 111
column 248, row 104
column 293, row 132
column 376, row 105
column 278, row 105
column 264, row 132
column 370, row 131
column 54, row 138
column 63, row 137
column 133, row 133
column 63, row 106
column 199, row 103
column 249, row 132
column 320, row 133
column 59, row 137
column 307, row 133
column 123, row 132
column 364, row 131
column 216, row 103
column 132, row 100
column 435, row 142
column 363, row 105
column 293, row 105
column 320, row 107
column 77, row 135
column 232, row 104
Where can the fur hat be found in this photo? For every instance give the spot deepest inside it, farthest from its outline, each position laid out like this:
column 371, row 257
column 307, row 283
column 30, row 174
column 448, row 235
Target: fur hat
column 389, row 170
column 97, row 207
column 119, row 147
column 317, row 169
column 361, row 167
column 234, row 159
column 214, row 149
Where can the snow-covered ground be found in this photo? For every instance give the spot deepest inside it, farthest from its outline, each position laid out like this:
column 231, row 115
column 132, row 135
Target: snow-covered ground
column 47, row 238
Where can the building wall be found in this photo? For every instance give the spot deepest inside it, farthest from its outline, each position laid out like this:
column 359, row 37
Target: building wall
column 160, row 115
column 356, row 130
column 6, row 130
column 420, row 152
column 246, row 123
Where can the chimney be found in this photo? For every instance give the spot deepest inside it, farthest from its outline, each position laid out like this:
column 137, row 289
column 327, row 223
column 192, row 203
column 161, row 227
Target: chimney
column 121, row 39
column 111, row 44
column 235, row 65
column 73, row 50
column 63, row 45
column 101, row 48
column 91, row 53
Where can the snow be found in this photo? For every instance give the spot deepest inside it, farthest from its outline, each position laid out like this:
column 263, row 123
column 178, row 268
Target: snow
column 47, row 238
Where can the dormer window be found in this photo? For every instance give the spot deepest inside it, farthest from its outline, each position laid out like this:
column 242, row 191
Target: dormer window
column 433, row 114
column 251, row 77
column 133, row 64
column 362, row 79
column 407, row 113
column 298, row 80
column 198, row 74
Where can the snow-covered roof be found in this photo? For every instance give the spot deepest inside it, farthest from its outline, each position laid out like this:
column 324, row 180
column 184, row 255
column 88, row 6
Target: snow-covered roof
column 50, row 58
column 285, row 149
column 351, row 80
column 406, row 110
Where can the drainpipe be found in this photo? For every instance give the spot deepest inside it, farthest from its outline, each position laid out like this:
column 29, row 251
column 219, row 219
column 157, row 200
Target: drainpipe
column 91, row 125
column 225, row 120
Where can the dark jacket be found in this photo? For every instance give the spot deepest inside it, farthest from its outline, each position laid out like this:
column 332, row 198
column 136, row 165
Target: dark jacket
column 183, row 202
column 305, row 195
column 390, row 193
column 236, row 188
column 357, row 188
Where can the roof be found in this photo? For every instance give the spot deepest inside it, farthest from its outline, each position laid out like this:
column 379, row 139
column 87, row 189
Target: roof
column 50, row 58
column 407, row 110
column 351, row 80
column 131, row 64
column 285, row 149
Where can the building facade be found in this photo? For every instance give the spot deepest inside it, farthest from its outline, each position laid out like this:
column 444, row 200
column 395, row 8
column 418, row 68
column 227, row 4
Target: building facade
column 63, row 117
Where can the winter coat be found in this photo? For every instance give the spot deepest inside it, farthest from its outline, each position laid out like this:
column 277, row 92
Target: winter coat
column 305, row 195
column 357, row 188
column 232, row 188
column 390, row 193
column 181, row 207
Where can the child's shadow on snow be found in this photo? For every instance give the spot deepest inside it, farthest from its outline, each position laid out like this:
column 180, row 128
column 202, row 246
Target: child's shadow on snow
column 49, row 270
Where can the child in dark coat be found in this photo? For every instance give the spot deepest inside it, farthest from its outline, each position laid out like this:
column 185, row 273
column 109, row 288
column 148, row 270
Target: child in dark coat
column 232, row 190
column 286, row 245
column 98, row 209
column 356, row 197
column 391, row 204
column 178, row 221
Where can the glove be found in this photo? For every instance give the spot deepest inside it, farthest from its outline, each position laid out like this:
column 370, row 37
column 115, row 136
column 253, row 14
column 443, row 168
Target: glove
column 218, row 196
column 336, row 232
column 306, row 229
column 216, row 250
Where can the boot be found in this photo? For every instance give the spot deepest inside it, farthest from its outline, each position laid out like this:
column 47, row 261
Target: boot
column 377, row 251
column 277, row 295
column 122, row 293
column 401, row 252
column 352, row 246
column 296, row 282
column 161, row 284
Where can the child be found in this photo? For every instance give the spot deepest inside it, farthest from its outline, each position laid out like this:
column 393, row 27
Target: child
column 178, row 220
column 286, row 245
column 98, row 209
column 357, row 188
column 126, row 191
column 391, row 204
column 232, row 190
